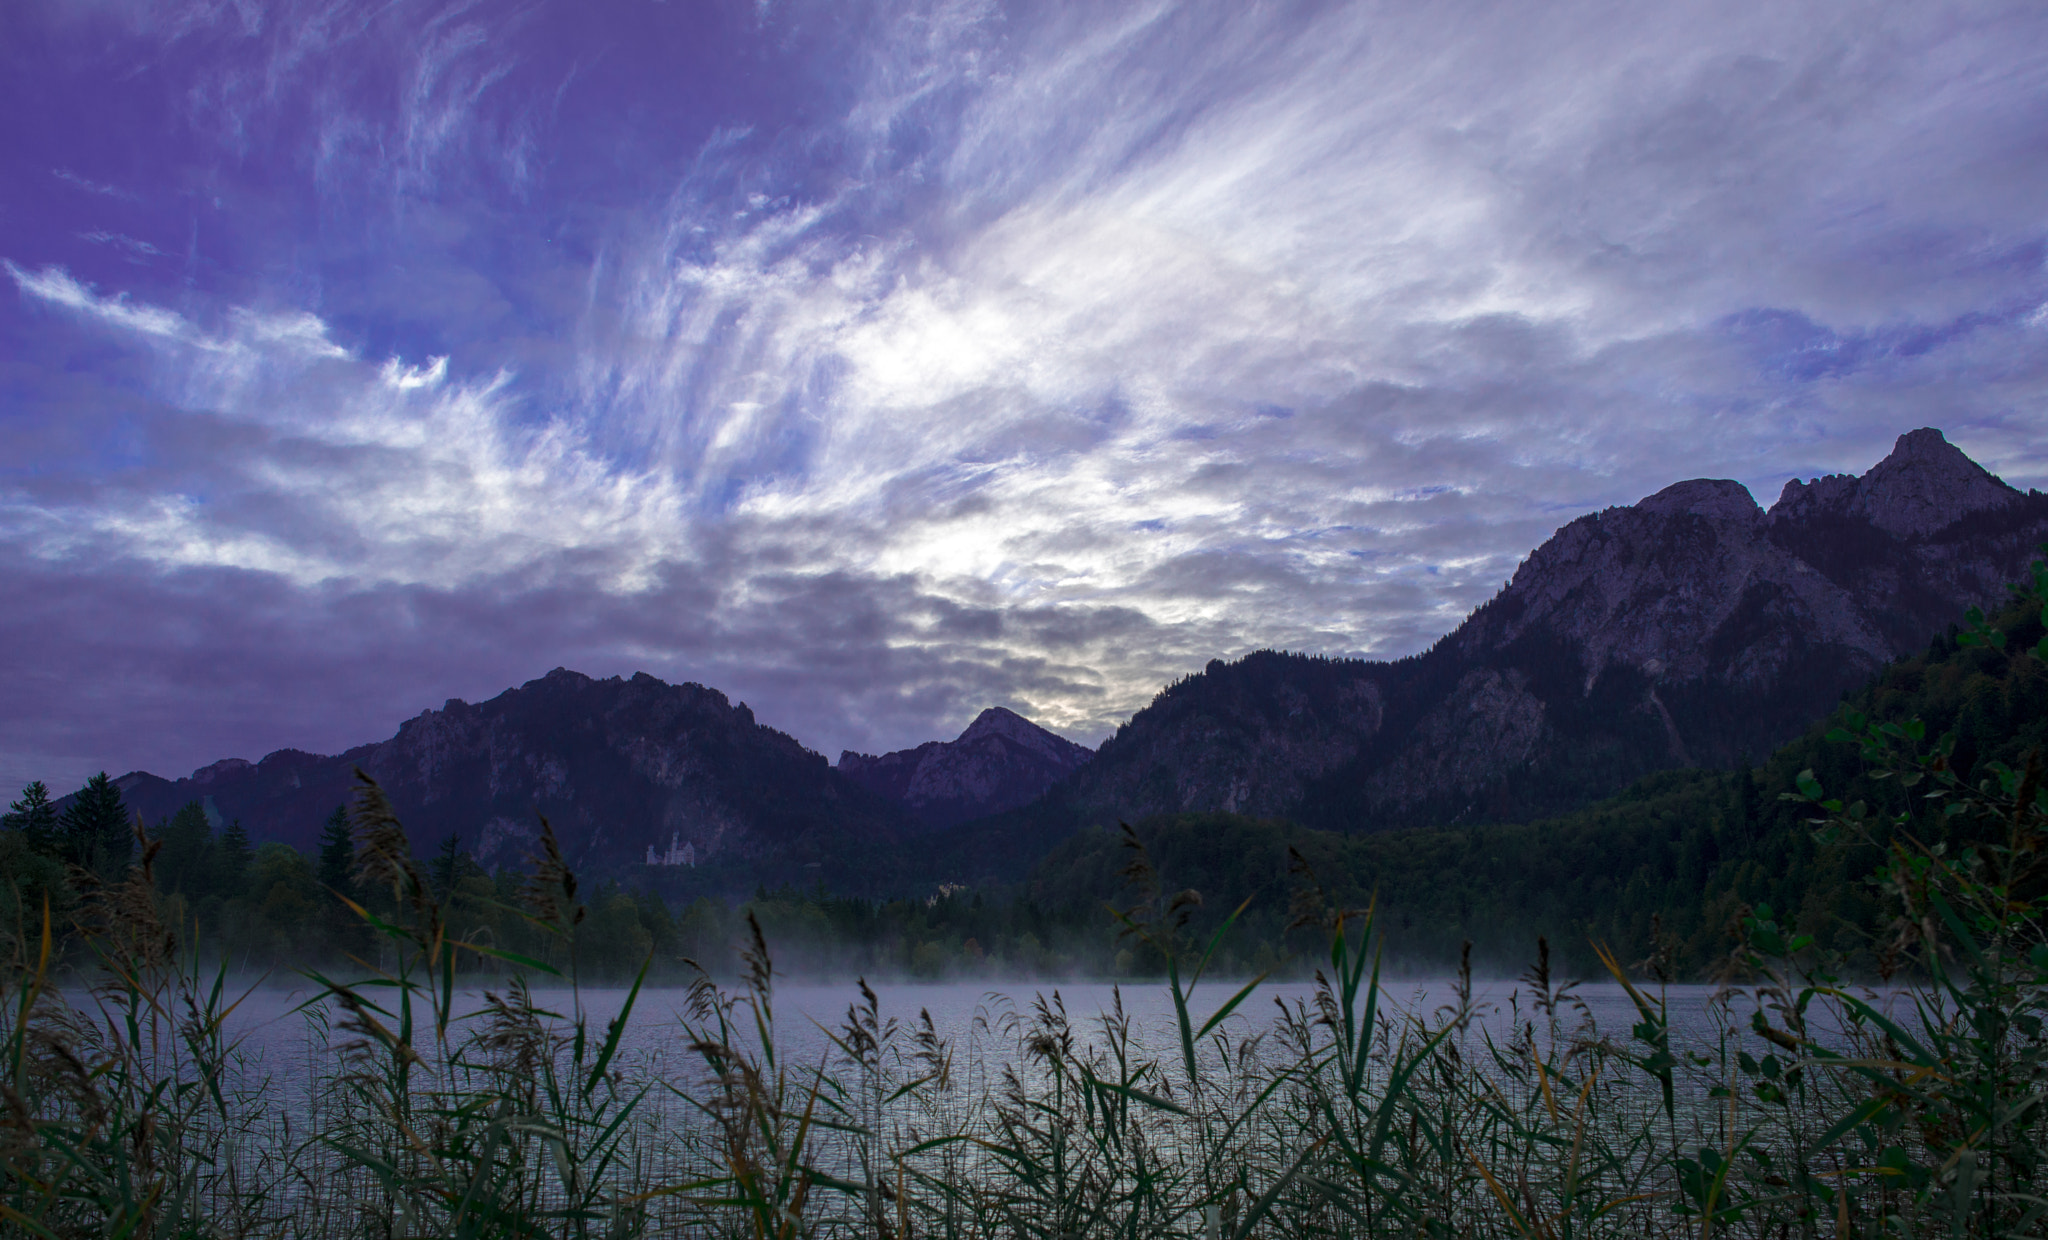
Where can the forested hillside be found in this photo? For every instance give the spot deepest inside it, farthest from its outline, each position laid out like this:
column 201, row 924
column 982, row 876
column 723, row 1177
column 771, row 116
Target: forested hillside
column 1688, row 851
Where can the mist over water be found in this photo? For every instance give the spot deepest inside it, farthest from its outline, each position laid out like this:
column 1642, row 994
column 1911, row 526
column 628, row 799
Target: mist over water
column 981, row 1020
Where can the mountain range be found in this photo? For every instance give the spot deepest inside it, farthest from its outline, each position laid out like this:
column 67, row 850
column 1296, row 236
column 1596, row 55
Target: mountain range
column 1689, row 629
column 631, row 772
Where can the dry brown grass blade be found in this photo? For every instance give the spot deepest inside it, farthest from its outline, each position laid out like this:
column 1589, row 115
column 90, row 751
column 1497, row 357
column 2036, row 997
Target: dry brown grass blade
column 383, row 853
column 549, row 893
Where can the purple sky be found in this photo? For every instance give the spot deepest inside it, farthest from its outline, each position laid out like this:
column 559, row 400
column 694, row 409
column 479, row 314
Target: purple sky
column 880, row 363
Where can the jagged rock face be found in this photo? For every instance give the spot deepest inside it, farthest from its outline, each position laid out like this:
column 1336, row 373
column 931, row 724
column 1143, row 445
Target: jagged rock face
column 1883, row 539
column 1687, row 629
column 1663, row 587
column 615, row 765
column 1924, row 486
column 1000, row 762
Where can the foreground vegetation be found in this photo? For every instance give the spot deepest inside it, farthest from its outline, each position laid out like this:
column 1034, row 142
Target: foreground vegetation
column 1816, row 1109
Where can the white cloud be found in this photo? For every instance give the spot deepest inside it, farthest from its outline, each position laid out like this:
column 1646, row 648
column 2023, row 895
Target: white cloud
column 135, row 247
column 369, row 474
column 54, row 284
column 89, row 185
column 405, row 378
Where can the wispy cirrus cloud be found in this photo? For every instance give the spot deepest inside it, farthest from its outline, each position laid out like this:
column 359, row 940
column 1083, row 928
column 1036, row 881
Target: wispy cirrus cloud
column 877, row 364
column 89, row 186
column 375, row 473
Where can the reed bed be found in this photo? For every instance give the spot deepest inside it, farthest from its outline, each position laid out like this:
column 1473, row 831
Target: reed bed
column 128, row 1109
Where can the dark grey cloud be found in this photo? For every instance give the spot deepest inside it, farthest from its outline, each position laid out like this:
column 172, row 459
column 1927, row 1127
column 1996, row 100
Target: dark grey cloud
column 118, row 658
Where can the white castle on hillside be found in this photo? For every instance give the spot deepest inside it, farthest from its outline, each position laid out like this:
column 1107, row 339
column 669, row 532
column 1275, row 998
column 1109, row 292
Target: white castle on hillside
column 678, row 852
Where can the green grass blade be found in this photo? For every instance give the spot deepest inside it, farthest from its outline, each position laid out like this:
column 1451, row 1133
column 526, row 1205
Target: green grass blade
column 1139, row 1095
column 1229, row 1007
column 616, row 1029
column 1215, row 941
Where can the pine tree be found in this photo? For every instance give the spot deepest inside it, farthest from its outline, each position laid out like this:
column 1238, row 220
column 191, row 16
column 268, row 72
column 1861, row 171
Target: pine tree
column 338, row 854
column 184, row 864
column 448, row 866
column 345, row 932
column 231, row 861
column 1748, row 799
column 94, row 829
column 34, row 816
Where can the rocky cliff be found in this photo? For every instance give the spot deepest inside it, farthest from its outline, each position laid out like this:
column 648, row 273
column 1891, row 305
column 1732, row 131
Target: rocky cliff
column 1000, row 762
column 1685, row 630
column 618, row 766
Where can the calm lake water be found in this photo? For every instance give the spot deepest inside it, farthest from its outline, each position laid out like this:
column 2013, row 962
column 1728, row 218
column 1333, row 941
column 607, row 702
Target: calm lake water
column 288, row 1065
column 980, row 1016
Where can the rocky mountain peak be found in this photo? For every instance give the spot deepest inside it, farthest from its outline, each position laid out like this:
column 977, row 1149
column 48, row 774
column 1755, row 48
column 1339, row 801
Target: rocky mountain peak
column 1001, row 761
column 1717, row 499
column 998, row 723
column 1640, row 586
column 221, row 770
column 1925, row 485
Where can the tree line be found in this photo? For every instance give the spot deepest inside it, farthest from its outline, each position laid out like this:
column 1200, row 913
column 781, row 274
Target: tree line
column 270, row 906
column 1665, row 873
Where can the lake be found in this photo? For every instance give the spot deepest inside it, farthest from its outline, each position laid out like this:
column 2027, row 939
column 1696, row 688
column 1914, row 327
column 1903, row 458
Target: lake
column 977, row 1016
column 282, row 1095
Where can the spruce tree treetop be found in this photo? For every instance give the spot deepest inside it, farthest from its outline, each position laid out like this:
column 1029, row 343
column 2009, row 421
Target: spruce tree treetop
column 34, row 816
column 94, row 830
column 232, row 855
column 185, row 863
column 450, row 865
column 338, row 854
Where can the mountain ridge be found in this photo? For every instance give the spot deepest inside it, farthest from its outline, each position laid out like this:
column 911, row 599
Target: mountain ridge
column 618, row 766
column 1688, row 629
column 999, row 762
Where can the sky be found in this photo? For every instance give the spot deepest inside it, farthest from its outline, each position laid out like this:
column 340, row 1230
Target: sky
column 880, row 363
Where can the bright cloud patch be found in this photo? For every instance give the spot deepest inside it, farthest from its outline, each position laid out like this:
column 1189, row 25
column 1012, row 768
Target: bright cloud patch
column 368, row 474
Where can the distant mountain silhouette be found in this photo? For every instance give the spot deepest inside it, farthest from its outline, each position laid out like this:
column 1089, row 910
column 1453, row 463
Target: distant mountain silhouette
column 617, row 765
column 1686, row 630
column 1000, row 762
